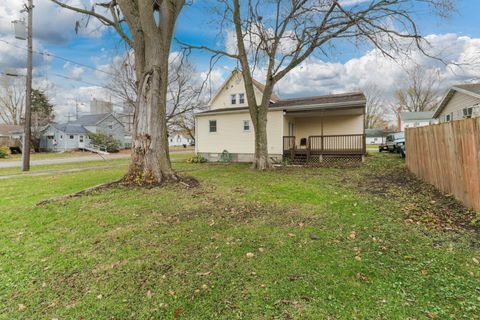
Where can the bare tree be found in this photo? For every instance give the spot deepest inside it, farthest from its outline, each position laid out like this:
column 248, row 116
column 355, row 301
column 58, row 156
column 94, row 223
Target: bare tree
column 420, row 90
column 12, row 100
column 147, row 27
column 184, row 94
column 376, row 107
column 276, row 36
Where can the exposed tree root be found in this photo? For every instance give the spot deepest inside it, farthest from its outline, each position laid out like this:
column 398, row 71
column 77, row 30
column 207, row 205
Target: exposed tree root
column 188, row 182
column 83, row 192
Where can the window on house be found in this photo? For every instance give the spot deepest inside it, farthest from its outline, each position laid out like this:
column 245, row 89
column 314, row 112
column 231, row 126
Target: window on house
column 212, row 126
column 50, row 137
column 110, row 127
column 81, row 138
column 467, row 112
column 246, row 125
column 61, row 137
column 448, row 117
column 72, row 137
column 241, row 98
column 179, row 139
column 233, row 98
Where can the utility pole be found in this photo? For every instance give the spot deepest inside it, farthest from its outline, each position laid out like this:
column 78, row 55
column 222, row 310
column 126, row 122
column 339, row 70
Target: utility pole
column 28, row 99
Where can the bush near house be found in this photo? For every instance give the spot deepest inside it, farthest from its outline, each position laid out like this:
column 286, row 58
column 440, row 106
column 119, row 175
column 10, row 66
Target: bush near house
column 196, row 159
column 101, row 139
column 4, row 152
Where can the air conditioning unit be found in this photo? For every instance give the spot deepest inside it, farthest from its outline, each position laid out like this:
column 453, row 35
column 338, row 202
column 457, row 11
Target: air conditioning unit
column 467, row 112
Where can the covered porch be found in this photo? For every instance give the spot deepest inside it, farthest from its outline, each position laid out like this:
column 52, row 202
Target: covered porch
column 315, row 136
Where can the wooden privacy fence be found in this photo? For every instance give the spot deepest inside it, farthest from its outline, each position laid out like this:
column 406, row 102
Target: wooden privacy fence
column 447, row 155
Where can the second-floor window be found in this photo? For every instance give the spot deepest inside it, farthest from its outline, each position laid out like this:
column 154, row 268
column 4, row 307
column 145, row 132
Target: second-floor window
column 233, row 98
column 241, row 98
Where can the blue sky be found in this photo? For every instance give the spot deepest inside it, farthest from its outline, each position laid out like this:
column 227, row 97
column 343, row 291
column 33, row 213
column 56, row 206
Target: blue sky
column 347, row 68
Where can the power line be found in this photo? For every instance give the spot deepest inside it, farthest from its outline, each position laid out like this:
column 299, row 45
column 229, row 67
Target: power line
column 47, row 54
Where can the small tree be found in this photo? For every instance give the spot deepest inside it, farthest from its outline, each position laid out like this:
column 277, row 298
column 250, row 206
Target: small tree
column 12, row 100
column 42, row 115
column 102, row 140
column 420, row 90
column 375, row 108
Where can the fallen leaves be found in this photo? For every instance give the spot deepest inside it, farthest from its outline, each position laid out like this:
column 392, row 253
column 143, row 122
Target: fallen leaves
column 250, row 255
column 352, row 235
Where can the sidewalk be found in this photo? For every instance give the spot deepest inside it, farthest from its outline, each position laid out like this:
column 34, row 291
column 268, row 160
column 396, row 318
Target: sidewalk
column 93, row 157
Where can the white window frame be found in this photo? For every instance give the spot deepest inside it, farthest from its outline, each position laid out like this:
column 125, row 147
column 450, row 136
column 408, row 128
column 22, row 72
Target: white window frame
column 71, row 137
column 449, row 117
column 233, row 99
column 247, row 122
column 241, row 98
column 210, row 126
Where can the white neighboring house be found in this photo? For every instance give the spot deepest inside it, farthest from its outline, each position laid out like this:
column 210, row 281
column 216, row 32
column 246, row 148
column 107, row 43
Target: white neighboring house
column 177, row 139
column 307, row 127
column 460, row 102
column 375, row 136
column 416, row 119
column 74, row 135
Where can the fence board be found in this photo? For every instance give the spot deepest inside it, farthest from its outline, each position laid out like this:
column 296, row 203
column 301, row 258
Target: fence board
column 447, row 155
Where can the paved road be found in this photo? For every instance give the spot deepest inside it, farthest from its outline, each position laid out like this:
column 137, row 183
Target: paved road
column 93, row 157
column 44, row 173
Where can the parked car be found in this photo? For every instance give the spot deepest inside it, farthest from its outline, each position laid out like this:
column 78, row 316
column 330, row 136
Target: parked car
column 394, row 140
column 382, row 147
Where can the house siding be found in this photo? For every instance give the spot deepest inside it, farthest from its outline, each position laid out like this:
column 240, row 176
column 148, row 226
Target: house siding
column 234, row 86
column 117, row 130
column 456, row 104
column 230, row 135
column 64, row 143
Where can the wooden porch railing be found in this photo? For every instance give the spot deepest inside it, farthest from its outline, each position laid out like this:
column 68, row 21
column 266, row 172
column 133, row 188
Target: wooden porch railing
column 330, row 144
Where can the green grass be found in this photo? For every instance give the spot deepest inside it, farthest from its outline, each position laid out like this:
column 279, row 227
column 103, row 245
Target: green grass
column 174, row 252
column 47, row 155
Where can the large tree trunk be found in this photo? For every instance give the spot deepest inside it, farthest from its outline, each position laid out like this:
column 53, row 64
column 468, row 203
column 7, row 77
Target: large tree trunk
column 150, row 161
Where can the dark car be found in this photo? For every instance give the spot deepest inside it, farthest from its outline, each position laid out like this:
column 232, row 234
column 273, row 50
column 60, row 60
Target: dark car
column 394, row 140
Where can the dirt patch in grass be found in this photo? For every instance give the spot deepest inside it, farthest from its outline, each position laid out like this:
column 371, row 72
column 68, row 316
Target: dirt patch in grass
column 421, row 203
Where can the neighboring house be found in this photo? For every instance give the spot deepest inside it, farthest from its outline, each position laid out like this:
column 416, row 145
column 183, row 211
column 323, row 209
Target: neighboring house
column 74, row 135
column 308, row 127
column 375, row 136
column 461, row 101
column 416, row 119
column 179, row 139
column 11, row 135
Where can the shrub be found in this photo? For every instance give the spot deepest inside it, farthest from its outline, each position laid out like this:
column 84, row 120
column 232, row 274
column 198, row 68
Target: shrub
column 4, row 152
column 103, row 140
column 197, row 159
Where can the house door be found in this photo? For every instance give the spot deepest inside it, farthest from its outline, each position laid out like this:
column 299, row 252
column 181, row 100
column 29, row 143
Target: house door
column 81, row 143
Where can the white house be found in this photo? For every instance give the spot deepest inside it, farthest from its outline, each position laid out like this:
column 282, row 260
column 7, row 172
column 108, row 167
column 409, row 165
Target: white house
column 177, row 139
column 416, row 119
column 375, row 136
column 461, row 101
column 74, row 135
column 306, row 127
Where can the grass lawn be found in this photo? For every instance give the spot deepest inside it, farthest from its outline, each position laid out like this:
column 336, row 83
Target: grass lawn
column 48, row 155
column 293, row 243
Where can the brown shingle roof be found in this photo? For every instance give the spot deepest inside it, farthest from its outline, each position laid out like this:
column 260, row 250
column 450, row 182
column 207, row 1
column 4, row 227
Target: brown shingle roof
column 336, row 99
column 472, row 87
column 332, row 98
column 261, row 87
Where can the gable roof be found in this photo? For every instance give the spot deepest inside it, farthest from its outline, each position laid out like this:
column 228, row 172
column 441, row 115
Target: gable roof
column 8, row 129
column 260, row 86
column 471, row 89
column 342, row 100
column 69, row 128
column 424, row 115
column 91, row 119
